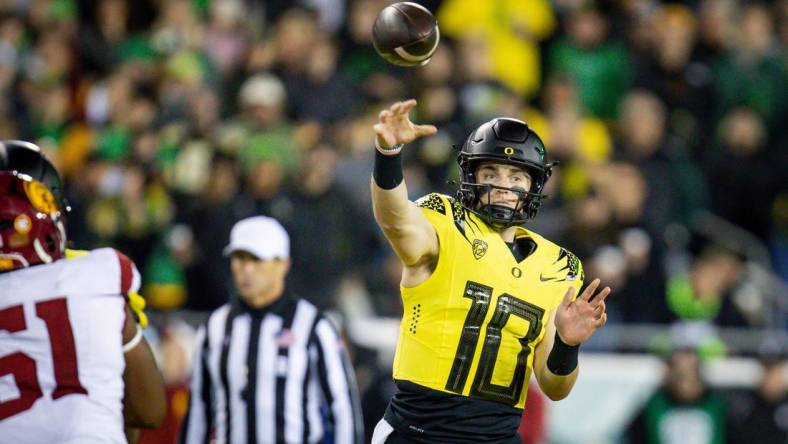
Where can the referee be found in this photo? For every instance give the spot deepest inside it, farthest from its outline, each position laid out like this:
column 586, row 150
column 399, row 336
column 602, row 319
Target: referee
column 269, row 367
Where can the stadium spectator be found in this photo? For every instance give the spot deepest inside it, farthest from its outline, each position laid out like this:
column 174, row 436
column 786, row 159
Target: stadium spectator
column 752, row 74
column 758, row 416
column 737, row 194
column 705, row 291
column 511, row 31
column 210, row 223
column 601, row 68
column 683, row 410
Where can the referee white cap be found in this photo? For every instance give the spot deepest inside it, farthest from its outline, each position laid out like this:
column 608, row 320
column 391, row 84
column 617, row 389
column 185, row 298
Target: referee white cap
column 262, row 236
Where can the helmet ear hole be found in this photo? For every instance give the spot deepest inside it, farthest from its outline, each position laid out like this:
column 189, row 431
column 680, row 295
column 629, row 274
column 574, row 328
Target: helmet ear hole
column 51, row 243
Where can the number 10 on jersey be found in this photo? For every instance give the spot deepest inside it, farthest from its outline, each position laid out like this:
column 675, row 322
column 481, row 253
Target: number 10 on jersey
column 506, row 306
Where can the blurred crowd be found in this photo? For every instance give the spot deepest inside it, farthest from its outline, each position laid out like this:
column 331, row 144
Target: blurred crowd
column 172, row 119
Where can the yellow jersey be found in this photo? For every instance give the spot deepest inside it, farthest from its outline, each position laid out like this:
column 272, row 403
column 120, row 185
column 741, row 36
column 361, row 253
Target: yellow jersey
column 471, row 328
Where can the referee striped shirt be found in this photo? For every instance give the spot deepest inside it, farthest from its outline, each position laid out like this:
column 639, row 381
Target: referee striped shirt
column 275, row 375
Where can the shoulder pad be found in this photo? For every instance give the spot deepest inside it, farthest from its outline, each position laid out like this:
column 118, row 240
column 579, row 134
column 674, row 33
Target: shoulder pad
column 101, row 271
column 565, row 267
column 433, row 201
column 441, row 203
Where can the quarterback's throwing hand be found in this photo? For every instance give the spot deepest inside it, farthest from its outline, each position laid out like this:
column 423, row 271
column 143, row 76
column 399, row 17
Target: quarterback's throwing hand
column 577, row 320
column 395, row 128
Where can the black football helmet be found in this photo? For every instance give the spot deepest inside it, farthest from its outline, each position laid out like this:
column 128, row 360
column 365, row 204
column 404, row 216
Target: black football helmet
column 508, row 141
column 26, row 158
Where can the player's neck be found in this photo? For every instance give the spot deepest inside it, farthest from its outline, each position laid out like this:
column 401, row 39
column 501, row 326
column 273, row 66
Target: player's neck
column 507, row 234
column 264, row 299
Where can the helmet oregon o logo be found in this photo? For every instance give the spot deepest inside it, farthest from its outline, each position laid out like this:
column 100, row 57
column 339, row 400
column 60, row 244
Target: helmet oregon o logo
column 516, row 272
column 508, row 151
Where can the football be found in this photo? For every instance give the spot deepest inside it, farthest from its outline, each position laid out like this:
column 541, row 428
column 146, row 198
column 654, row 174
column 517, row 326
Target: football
column 405, row 34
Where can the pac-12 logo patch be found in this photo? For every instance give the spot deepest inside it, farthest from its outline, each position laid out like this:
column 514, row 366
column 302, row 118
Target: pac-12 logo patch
column 479, row 248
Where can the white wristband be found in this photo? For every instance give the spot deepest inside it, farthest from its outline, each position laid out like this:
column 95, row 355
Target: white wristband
column 388, row 151
column 127, row 347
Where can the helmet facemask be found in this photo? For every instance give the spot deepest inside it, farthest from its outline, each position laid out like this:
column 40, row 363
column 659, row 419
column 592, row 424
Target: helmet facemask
column 477, row 198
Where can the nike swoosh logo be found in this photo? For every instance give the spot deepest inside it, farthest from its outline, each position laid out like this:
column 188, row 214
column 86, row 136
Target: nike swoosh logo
column 544, row 279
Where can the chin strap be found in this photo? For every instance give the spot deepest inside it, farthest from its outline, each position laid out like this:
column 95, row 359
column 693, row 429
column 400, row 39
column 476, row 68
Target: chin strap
column 41, row 252
column 498, row 216
column 501, row 217
column 498, row 212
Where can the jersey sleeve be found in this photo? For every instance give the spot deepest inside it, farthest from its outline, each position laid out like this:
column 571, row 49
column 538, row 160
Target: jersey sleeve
column 129, row 287
column 439, row 211
column 129, row 275
column 105, row 271
column 565, row 271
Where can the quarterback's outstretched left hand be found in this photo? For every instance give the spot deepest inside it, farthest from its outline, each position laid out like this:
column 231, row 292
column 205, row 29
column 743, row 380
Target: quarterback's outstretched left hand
column 576, row 321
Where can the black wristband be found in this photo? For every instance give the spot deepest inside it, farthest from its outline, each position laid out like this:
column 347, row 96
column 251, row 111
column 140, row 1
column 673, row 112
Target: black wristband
column 563, row 357
column 388, row 170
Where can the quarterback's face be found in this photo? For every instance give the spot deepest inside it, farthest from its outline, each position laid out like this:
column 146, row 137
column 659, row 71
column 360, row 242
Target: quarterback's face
column 504, row 176
column 259, row 282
